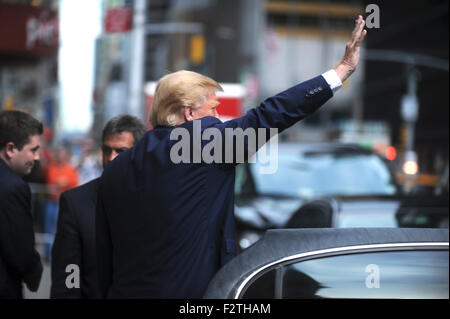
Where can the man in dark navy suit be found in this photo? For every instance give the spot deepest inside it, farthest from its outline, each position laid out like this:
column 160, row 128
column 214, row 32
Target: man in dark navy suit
column 164, row 219
column 19, row 150
column 74, row 271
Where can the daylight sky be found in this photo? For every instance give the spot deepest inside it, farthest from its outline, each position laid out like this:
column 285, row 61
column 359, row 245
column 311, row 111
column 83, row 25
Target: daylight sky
column 80, row 24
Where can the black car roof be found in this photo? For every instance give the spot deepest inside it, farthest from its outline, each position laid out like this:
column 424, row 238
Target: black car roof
column 279, row 243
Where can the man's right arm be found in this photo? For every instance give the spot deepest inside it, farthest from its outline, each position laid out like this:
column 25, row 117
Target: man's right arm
column 287, row 108
column 292, row 105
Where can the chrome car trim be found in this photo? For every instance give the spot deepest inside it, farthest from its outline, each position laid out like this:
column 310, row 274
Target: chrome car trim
column 242, row 285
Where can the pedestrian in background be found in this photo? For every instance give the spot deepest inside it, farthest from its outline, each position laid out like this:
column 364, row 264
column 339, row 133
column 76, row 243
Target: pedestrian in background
column 90, row 162
column 61, row 176
column 75, row 236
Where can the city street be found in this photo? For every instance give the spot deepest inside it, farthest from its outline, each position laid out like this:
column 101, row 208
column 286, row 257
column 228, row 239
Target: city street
column 279, row 149
column 44, row 288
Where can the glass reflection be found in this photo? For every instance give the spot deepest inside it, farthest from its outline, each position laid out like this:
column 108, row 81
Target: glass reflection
column 405, row 274
column 325, row 174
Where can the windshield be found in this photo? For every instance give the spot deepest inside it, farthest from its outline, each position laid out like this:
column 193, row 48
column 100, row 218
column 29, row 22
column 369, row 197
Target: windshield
column 325, row 174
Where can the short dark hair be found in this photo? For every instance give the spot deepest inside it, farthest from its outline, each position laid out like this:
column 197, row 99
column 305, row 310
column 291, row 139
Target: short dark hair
column 18, row 127
column 122, row 123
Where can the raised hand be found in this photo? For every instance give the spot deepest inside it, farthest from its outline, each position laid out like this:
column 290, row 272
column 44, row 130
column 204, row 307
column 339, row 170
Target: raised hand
column 350, row 60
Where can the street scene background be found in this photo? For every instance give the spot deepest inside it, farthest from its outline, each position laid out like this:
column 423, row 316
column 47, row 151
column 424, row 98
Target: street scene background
column 76, row 64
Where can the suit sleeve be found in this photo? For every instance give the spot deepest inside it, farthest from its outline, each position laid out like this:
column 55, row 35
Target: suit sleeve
column 278, row 112
column 286, row 108
column 66, row 250
column 17, row 244
column 103, row 246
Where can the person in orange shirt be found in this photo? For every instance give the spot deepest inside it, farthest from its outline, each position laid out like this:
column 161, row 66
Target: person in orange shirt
column 60, row 176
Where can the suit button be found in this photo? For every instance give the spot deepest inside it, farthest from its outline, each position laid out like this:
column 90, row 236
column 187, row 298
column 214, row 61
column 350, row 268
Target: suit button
column 311, row 92
column 316, row 90
column 320, row 88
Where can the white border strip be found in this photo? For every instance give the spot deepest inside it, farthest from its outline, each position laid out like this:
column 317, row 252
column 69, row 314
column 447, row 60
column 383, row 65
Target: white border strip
column 332, row 251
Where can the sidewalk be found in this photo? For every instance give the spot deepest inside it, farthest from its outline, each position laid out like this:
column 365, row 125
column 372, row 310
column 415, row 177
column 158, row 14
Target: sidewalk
column 44, row 287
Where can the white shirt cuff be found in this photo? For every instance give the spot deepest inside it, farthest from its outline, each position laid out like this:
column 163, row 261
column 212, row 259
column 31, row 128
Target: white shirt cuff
column 333, row 80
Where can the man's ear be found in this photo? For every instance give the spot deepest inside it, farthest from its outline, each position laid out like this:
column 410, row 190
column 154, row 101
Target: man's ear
column 10, row 150
column 188, row 113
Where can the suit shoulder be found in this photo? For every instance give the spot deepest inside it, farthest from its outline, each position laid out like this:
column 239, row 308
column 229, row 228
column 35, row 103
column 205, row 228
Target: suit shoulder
column 82, row 191
column 11, row 183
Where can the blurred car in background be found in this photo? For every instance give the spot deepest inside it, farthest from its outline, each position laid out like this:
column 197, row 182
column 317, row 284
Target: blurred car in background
column 338, row 263
column 305, row 172
column 377, row 211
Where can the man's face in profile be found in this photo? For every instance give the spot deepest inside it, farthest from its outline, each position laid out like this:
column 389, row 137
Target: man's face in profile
column 114, row 144
column 22, row 161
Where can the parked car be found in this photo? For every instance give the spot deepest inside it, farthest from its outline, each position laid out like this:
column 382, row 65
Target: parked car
column 426, row 211
column 305, row 172
column 339, row 263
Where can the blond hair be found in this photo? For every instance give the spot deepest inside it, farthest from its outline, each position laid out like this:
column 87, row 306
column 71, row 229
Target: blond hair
column 178, row 90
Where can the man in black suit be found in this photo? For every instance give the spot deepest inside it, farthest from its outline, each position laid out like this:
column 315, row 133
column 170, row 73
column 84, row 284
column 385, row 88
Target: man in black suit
column 165, row 220
column 19, row 150
column 74, row 271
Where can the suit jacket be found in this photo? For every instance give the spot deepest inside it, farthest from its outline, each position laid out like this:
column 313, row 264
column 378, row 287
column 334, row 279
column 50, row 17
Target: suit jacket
column 19, row 260
column 164, row 229
column 75, row 243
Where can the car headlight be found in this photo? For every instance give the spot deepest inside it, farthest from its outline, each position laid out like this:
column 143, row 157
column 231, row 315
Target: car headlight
column 410, row 166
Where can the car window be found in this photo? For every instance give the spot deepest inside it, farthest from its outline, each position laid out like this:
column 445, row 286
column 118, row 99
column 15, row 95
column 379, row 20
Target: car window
column 405, row 217
column 262, row 288
column 381, row 217
column 426, row 217
column 396, row 274
column 325, row 175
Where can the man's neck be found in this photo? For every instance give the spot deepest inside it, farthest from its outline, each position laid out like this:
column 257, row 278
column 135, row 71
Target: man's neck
column 3, row 160
column 3, row 157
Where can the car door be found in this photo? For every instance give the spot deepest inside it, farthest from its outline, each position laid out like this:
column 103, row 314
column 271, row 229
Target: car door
column 402, row 270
